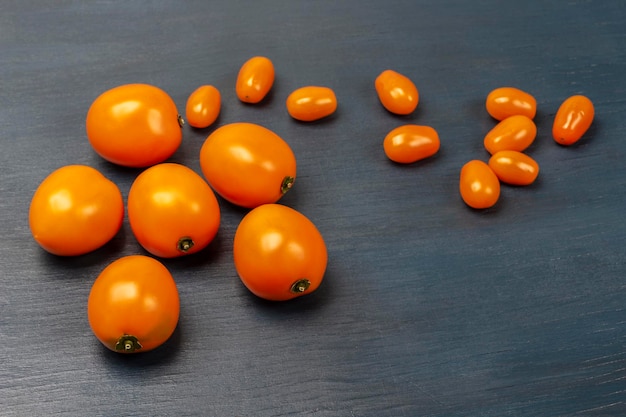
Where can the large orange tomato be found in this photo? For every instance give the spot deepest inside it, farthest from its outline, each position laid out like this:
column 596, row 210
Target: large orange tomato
column 248, row 164
column 279, row 254
column 133, row 305
column 134, row 125
column 75, row 210
column 172, row 211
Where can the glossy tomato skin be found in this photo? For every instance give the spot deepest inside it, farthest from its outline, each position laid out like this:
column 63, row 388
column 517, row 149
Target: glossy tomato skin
column 75, row 210
column 410, row 143
column 279, row 253
column 311, row 103
column 248, row 164
column 133, row 305
column 396, row 92
column 255, row 79
column 479, row 185
column 515, row 133
column 172, row 211
column 203, row 106
column 572, row 120
column 504, row 102
column 513, row 167
column 134, row 125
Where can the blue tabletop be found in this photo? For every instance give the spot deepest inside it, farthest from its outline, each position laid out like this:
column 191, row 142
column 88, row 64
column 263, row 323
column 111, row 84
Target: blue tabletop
column 428, row 307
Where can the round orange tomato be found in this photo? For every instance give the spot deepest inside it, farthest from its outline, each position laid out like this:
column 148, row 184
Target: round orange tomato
column 515, row 133
column 514, row 167
column 396, row 92
column 279, row 254
column 572, row 120
column 248, row 164
column 479, row 185
column 410, row 143
column 255, row 79
column 203, row 106
column 133, row 305
column 75, row 210
column 504, row 102
column 172, row 211
column 311, row 103
column 134, row 125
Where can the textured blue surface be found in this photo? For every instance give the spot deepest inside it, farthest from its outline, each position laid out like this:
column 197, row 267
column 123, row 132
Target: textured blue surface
column 428, row 308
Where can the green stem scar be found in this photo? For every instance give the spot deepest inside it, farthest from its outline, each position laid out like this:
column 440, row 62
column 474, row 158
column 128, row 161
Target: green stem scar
column 127, row 344
column 185, row 244
column 287, row 184
column 181, row 121
column 300, row 286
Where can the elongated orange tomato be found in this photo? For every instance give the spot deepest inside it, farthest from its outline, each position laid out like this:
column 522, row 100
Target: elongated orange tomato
column 203, row 106
column 572, row 120
column 515, row 133
column 75, row 210
column 396, row 92
column 311, row 103
column 513, row 167
column 504, row 102
column 172, row 211
column 133, row 305
column 255, row 79
column 479, row 185
column 134, row 125
column 410, row 143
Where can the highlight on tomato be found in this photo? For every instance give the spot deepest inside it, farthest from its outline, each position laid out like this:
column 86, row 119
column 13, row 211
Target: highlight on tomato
column 515, row 133
column 479, row 185
column 396, row 92
column 248, row 164
column 133, row 305
column 172, row 211
column 513, row 167
column 572, row 120
column 311, row 103
column 410, row 143
column 279, row 254
column 504, row 102
column 255, row 79
column 203, row 106
column 75, row 210
column 134, row 125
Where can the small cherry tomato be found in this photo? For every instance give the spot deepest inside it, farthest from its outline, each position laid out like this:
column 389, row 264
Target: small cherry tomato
column 311, row 103
column 203, row 106
column 513, row 167
column 572, row 120
column 75, row 210
column 255, row 79
column 515, row 133
column 504, row 102
column 410, row 143
column 133, row 305
column 479, row 185
column 248, row 164
column 396, row 92
column 172, row 211
column 279, row 254
column 134, row 125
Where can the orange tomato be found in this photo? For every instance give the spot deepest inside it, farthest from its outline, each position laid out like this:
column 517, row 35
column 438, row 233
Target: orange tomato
column 75, row 210
column 133, row 305
column 504, row 102
column 515, row 133
column 248, row 164
column 311, row 103
column 255, row 79
column 279, row 254
column 203, row 106
column 513, row 167
column 396, row 92
column 410, row 143
column 134, row 125
column 572, row 120
column 479, row 185
column 172, row 211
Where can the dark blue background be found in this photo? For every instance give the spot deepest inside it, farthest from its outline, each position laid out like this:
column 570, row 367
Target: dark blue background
column 428, row 308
